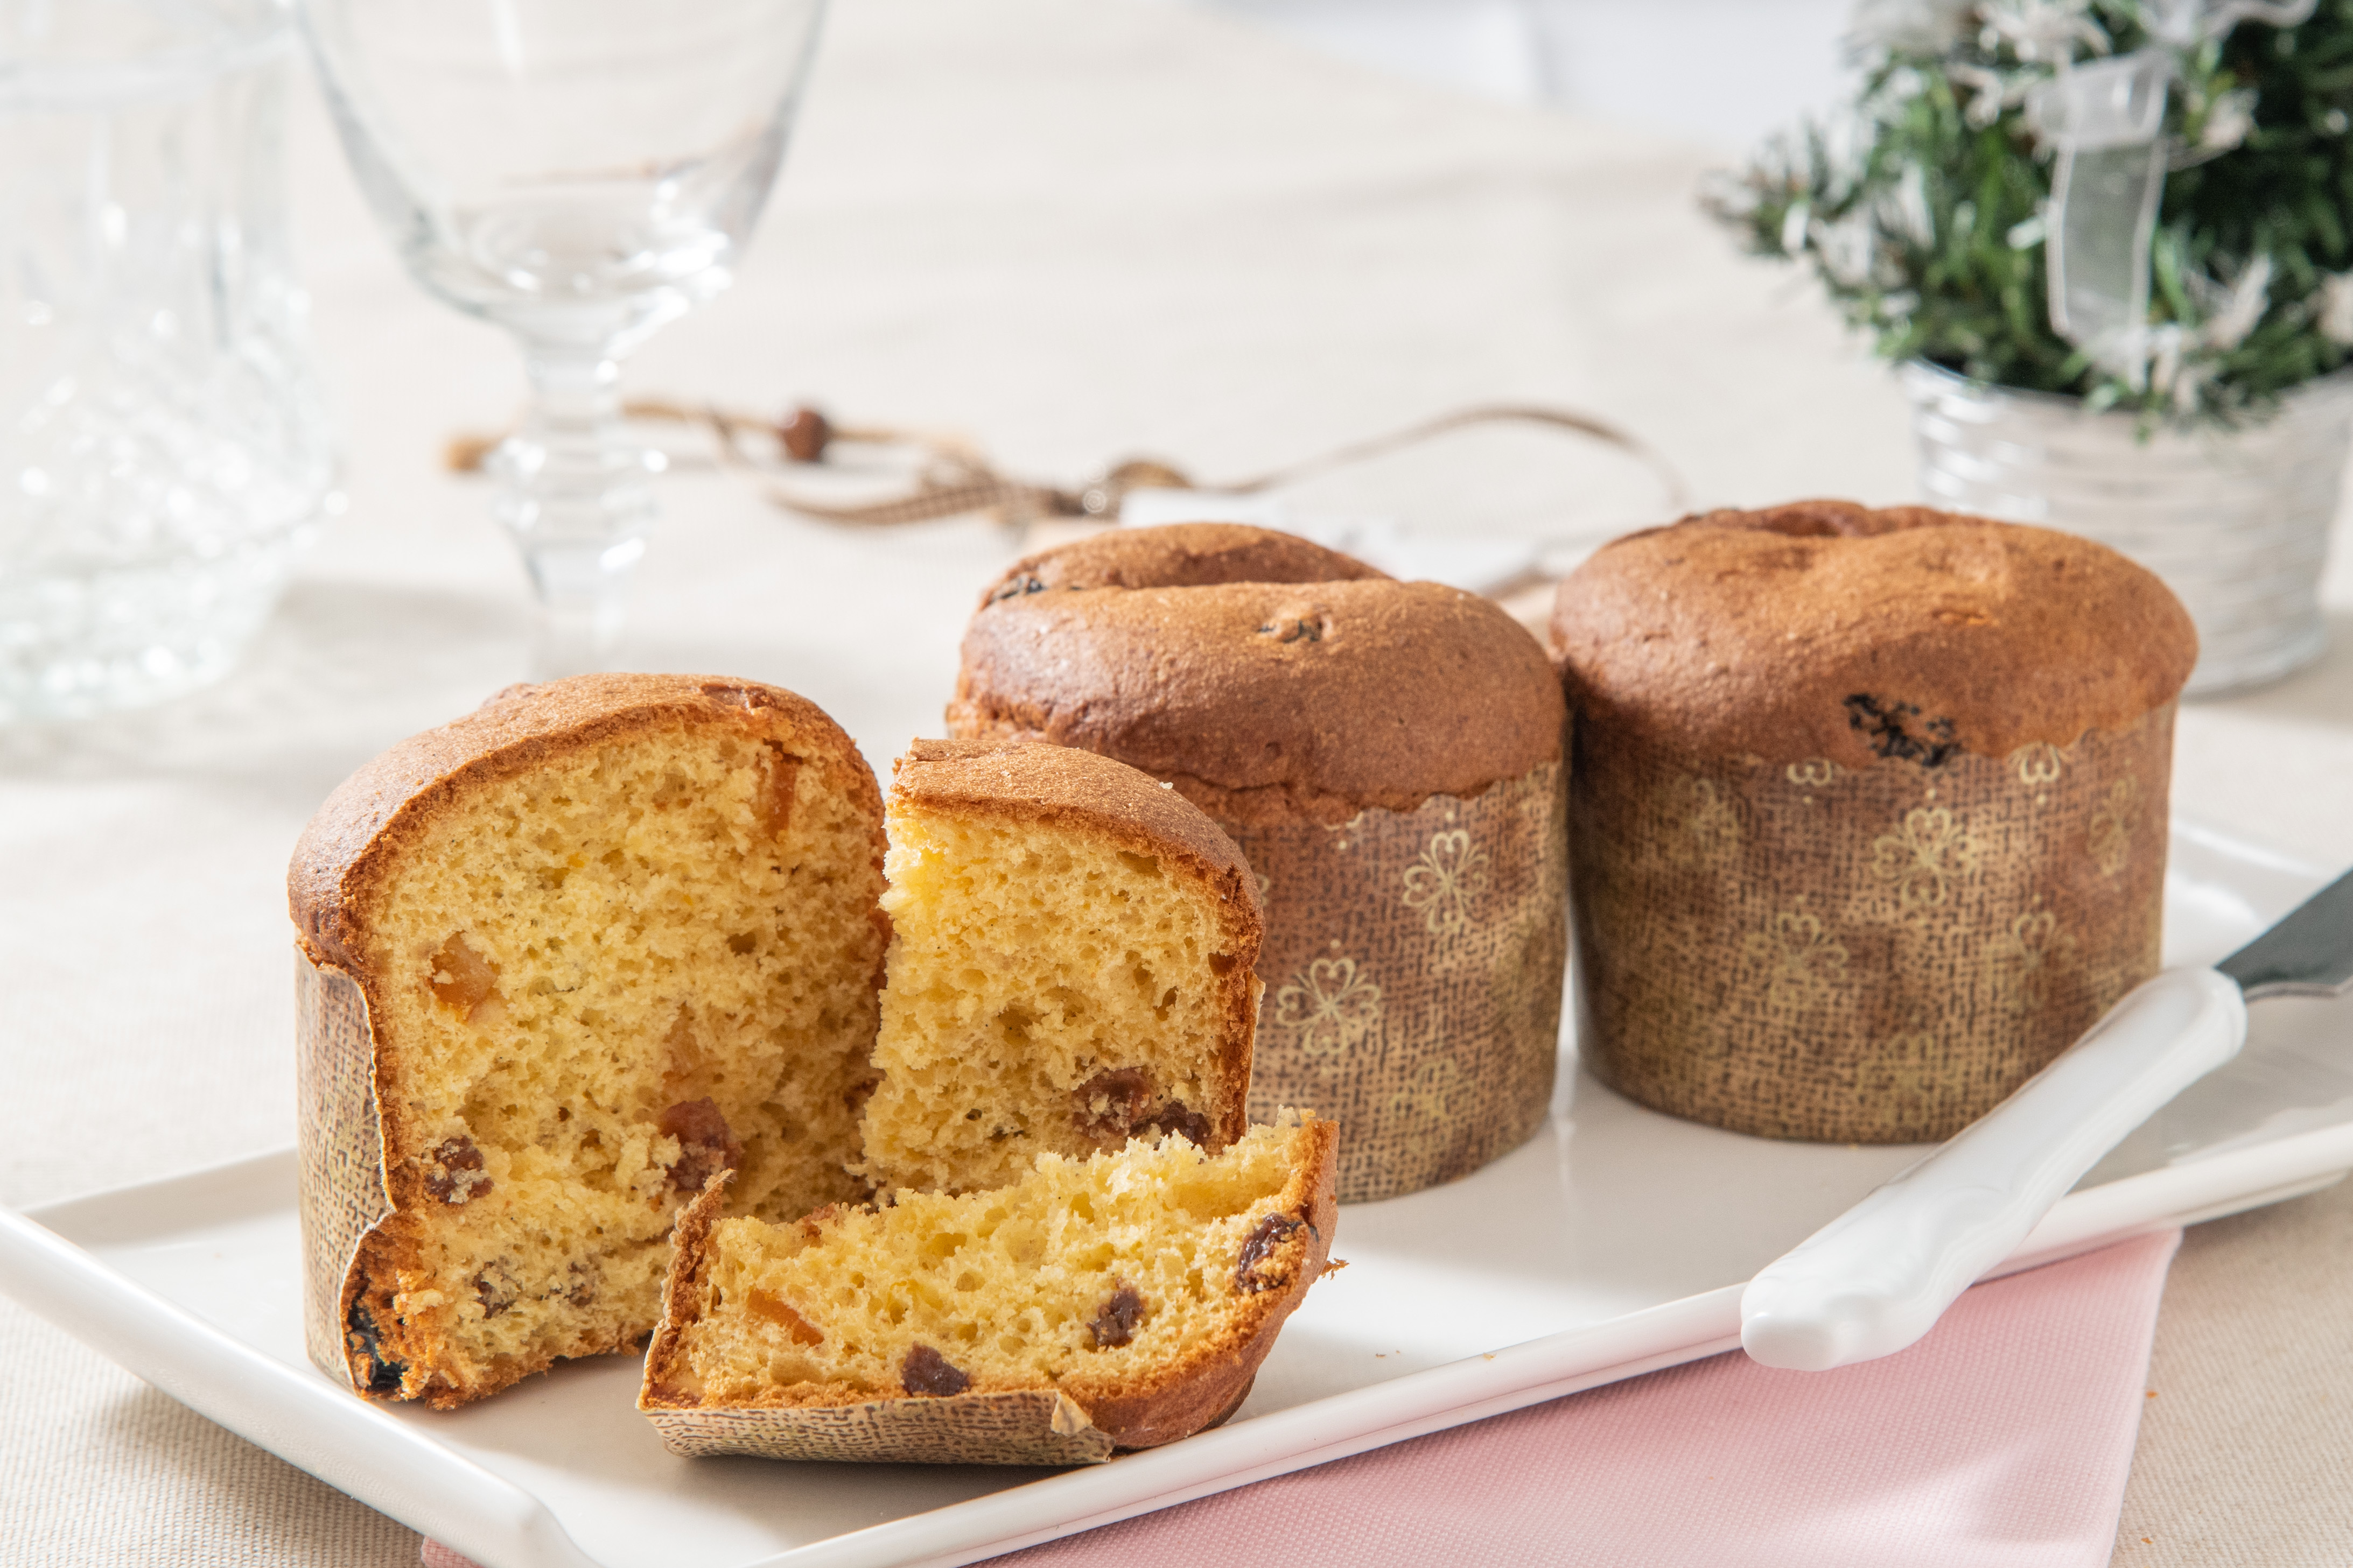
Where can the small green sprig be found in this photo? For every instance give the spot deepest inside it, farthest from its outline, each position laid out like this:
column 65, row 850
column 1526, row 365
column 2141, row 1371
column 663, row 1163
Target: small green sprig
column 1923, row 211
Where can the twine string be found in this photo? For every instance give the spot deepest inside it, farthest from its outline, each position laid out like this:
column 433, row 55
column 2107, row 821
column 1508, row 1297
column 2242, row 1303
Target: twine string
column 952, row 478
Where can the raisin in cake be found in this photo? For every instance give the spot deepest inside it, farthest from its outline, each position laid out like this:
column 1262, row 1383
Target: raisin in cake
column 562, row 961
column 1121, row 1299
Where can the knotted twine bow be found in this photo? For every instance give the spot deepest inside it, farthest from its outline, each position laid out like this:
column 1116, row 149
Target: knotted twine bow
column 2105, row 119
column 953, row 479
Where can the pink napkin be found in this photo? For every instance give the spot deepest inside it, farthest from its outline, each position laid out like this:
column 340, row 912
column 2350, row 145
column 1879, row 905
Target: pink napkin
column 1999, row 1441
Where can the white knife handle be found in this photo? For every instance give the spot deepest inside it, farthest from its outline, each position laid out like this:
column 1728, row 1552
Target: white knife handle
column 1878, row 1277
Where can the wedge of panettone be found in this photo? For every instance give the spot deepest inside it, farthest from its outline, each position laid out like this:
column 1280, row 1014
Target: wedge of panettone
column 1119, row 1300
column 561, row 961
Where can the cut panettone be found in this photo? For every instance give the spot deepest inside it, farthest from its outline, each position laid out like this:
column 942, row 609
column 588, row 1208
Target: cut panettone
column 564, row 960
column 1080, row 1245
column 1072, row 965
column 1119, row 1300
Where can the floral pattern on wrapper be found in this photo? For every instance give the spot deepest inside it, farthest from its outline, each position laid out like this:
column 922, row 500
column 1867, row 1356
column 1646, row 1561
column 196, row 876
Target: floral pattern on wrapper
column 1924, row 857
column 1329, row 1009
column 1414, row 962
column 2113, row 820
column 1798, row 963
column 1874, row 955
column 1446, row 884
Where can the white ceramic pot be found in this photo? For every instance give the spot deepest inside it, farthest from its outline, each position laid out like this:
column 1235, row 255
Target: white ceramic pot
column 2236, row 522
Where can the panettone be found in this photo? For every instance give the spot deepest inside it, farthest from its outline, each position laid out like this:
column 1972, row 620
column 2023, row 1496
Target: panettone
column 1074, row 964
column 561, row 960
column 1078, row 1243
column 1867, row 810
column 1388, row 757
column 1123, row 1299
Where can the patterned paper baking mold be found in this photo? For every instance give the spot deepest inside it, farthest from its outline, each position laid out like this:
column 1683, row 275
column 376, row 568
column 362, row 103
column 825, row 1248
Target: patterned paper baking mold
column 1413, row 964
column 1873, row 955
column 344, row 1192
column 1028, row 1427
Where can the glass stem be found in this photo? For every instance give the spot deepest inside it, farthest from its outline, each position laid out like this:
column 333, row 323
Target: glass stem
column 577, row 502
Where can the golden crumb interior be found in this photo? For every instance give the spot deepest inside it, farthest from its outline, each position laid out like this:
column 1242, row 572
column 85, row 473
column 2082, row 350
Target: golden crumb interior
column 1104, row 1267
column 1047, row 992
column 606, row 977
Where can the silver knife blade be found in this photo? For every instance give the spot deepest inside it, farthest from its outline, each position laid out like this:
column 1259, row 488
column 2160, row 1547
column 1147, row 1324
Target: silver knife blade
column 2307, row 953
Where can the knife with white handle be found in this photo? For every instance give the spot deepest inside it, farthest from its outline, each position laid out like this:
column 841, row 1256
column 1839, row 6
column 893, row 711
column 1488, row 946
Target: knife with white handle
column 1878, row 1277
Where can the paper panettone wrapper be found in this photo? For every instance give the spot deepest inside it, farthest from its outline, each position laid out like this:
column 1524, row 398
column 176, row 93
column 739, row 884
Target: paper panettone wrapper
column 1873, row 955
column 1413, row 964
column 343, row 1193
column 1026, row 1427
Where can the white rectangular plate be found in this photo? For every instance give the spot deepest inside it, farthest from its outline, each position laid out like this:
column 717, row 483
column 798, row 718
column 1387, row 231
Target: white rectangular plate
column 1614, row 1243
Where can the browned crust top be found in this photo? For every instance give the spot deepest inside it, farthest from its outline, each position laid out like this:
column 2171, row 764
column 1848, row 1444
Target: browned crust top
column 1319, row 698
column 1055, row 784
column 1178, row 555
column 1157, row 1406
column 1827, row 629
column 345, row 852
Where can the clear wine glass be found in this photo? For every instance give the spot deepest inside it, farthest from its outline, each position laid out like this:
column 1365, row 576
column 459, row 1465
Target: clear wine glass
column 579, row 172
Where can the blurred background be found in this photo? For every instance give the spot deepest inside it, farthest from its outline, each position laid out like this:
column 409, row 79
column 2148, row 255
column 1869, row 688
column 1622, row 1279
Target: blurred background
column 1723, row 72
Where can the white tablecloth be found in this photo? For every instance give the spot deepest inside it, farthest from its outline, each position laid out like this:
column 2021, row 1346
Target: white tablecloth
column 1076, row 232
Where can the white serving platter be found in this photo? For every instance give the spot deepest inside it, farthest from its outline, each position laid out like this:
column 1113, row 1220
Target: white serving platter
column 1613, row 1244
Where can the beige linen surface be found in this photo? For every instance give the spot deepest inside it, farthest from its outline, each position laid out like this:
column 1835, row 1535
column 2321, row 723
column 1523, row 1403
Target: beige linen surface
column 1076, row 231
